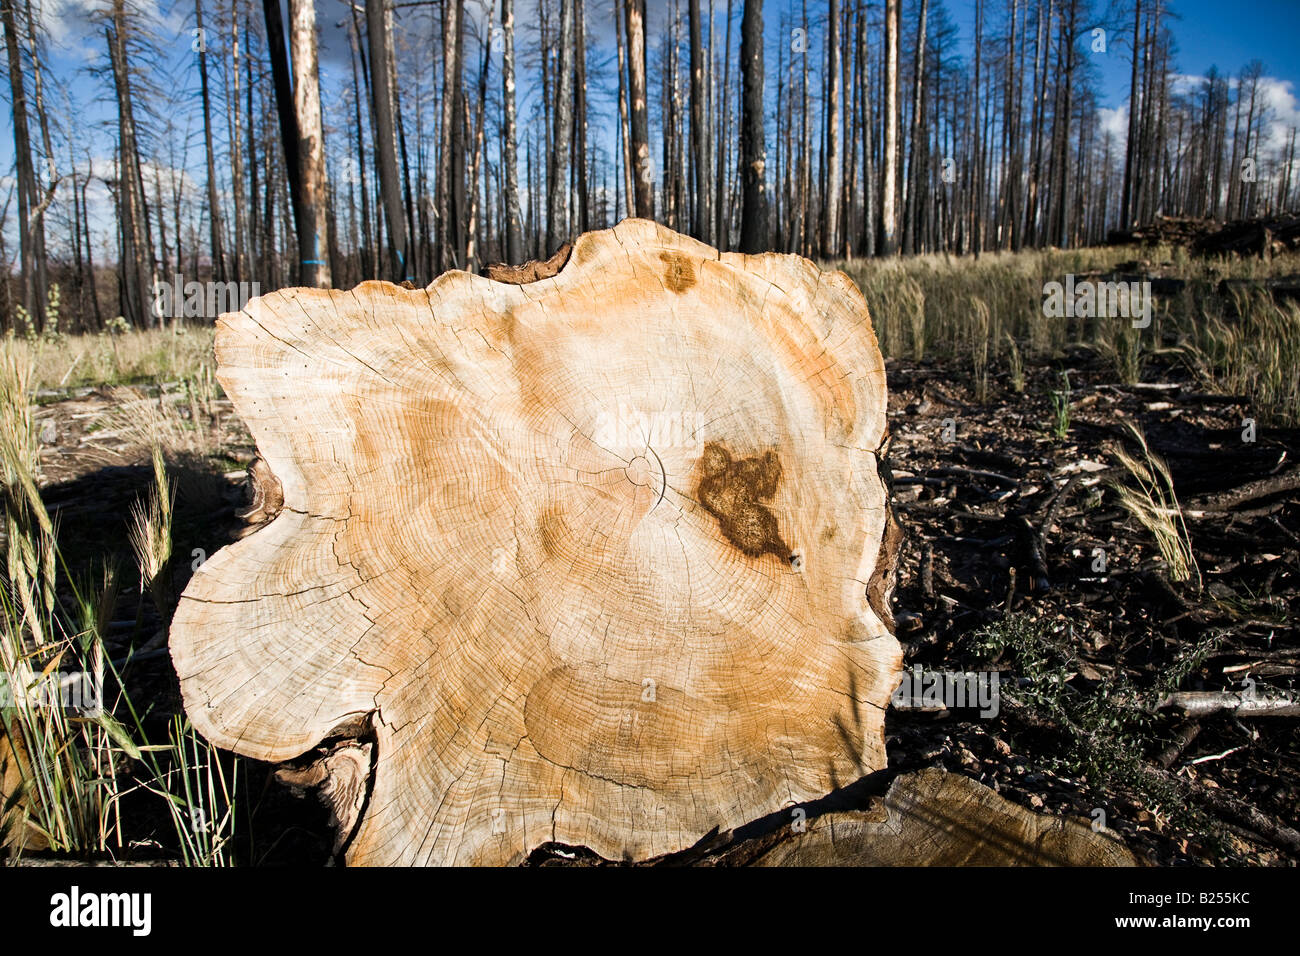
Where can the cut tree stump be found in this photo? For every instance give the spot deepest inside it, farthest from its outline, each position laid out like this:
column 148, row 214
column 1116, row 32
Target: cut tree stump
column 603, row 557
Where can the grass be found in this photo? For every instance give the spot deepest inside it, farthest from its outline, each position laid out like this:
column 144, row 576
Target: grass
column 1015, row 366
column 70, row 764
column 1149, row 497
column 151, row 537
column 116, row 358
column 929, row 307
column 65, row 770
column 1250, row 348
column 1061, row 408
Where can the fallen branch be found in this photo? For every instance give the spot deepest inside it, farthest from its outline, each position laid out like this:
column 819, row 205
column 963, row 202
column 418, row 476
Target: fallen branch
column 1199, row 703
column 1230, row 807
column 1248, row 492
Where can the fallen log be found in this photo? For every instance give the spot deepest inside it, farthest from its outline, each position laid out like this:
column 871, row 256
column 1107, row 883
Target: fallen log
column 1203, row 703
column 933, row 818
column 603, row 558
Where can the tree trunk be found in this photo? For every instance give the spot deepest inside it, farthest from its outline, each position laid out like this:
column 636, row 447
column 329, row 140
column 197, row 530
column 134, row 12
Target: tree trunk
column 380, row 42
column 615, row 638
column 722, row 225
column 390, row 185
column 557, row 199
column 451, row 174
column 642, row 165
column 625, row 127
column 137, row 263
column 889, row 158
column 31, row 229
column 913, row 165
column 214, row 196
column 312, row 217
column 830, row 231
column 280, row 79
column 753, row 145
column 514, row 226
column 703, row 219
column 580, row 158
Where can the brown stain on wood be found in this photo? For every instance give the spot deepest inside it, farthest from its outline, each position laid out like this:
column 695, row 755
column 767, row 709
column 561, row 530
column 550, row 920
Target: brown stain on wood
column 732, row 491
column 679, row 271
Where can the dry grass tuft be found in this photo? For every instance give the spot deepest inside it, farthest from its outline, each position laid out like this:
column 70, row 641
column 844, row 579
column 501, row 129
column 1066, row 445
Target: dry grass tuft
column 1151, row 499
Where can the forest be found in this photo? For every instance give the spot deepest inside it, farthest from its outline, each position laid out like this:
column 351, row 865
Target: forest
column 321, row 144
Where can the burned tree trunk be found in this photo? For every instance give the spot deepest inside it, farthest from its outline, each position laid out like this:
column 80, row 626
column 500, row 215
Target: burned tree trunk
column 602, row 559
column 214, row 195
column 137, row 263
column 753, row 216
column 31, row 228
column 557, row 196
column 390, row 185
column 514, row 247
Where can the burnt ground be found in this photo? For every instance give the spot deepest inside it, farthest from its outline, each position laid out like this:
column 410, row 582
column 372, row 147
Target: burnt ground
column 998, row 572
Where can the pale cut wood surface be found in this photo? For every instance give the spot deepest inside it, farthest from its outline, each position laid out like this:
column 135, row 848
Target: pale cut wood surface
column 601, row 553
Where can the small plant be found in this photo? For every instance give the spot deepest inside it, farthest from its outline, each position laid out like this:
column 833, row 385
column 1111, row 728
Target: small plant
column 1105, row 728
column 1015, row 366
column 1152, row 501
column 1122, row 350
column 1061, row 408
column 52, row 335
column 151, row 537
column 912, row 300
column 201, row 798
column 980, row 350
column 23, row 319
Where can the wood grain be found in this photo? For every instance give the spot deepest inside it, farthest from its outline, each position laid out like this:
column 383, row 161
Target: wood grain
column 594, row 551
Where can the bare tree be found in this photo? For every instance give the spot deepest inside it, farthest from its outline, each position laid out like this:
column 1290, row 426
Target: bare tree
column 311, row 203
column 642, row 165
column 889, row 158
column 703, row 221
column 831, row 205
column 214, row 196
column 557, row 199
column 380, row 44
column 135, row 261
column 31, row 229
column 753, row 148
column 514, row 227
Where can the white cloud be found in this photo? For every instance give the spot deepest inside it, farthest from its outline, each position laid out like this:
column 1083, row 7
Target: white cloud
column 1114, row 122
column 1283, row 113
